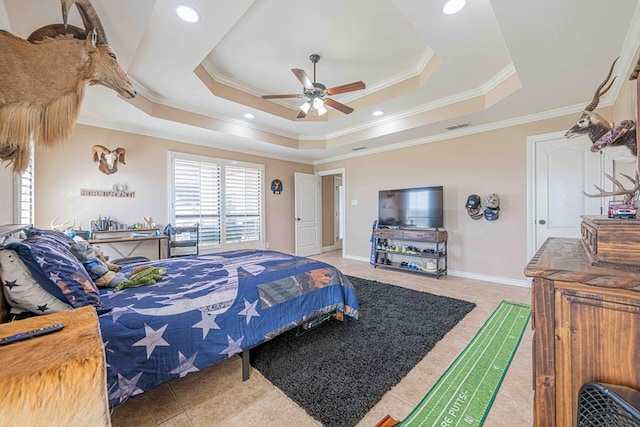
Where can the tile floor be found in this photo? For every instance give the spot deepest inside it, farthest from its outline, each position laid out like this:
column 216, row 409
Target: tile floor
column 217, row 396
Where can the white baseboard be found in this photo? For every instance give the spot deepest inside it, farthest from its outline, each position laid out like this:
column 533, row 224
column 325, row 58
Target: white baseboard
column 487, row 278
column 484, row 277
column 330, row 248
column 356, row 258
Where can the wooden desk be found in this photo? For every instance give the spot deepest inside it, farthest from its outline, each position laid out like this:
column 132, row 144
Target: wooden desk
column 9, row 229
column 55, row 379
column 124, row 236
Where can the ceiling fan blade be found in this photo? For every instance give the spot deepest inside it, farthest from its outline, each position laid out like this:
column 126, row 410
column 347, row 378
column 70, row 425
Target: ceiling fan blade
column 301, row 115
column 304, row 79
column 338, row 106
column 350, row 87
column 281, row 96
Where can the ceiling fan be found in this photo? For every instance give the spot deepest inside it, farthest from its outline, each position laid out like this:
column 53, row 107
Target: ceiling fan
column 316, row 93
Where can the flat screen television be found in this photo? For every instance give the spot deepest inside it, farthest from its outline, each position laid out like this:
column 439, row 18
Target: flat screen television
column 411, row 207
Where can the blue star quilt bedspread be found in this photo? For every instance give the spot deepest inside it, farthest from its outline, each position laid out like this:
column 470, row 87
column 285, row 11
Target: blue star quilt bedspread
column 209, row 308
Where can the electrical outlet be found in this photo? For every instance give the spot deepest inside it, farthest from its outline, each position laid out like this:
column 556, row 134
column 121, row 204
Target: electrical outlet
column 266, row 245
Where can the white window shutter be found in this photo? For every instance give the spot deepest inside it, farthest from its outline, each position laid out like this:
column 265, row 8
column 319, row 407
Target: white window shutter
column 224, row 197
column 197, row 187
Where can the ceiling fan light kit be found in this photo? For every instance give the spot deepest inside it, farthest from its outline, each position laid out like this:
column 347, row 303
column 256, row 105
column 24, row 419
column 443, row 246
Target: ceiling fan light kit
column 316, row 93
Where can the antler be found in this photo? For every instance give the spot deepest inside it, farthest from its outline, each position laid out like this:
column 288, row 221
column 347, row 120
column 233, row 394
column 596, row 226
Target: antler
column 598, row 94
column 620, row 190
column 120, row 152
column 99, row 149
column 64, row 226
column 90, row 19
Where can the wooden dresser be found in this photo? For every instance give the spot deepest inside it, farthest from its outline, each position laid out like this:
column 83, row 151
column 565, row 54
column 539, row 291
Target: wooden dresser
column 586, row 322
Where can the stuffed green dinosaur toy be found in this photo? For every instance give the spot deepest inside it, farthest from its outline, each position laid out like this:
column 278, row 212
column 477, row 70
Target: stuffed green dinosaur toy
column 144, row 275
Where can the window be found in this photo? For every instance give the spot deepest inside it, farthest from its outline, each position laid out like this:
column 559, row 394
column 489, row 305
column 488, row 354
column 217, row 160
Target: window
column 225, row 197
column 24, row 193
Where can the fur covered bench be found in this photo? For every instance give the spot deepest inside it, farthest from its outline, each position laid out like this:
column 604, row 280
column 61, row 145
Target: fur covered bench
column 54, row 379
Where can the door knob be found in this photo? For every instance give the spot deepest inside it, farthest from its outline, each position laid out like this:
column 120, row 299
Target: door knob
column 297, row 219
column 542, row 222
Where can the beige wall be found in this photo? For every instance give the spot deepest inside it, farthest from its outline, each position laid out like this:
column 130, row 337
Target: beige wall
column 328, row 195
column 61, row 173
column 490, row 162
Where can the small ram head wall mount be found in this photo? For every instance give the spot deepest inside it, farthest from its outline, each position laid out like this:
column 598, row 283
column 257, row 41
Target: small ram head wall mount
column 108, row 159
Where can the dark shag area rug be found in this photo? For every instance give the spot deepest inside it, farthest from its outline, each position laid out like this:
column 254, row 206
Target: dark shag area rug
column 338, row 371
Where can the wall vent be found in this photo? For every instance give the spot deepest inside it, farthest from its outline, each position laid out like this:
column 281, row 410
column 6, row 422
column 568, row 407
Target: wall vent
column 458, row 126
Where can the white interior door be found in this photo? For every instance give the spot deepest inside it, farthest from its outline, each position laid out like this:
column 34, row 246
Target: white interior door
column 308, row 214
column 338, row 208
column 564, row 168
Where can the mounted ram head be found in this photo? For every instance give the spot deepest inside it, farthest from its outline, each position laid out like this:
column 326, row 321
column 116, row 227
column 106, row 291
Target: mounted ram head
column 43, row 80
column 618, row 141
column 108, row 159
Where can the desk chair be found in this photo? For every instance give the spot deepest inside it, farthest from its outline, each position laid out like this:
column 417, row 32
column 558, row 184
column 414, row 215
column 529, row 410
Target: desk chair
column 183, row 237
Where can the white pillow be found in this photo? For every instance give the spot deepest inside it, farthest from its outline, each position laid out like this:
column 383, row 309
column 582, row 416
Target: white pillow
column 21, row 291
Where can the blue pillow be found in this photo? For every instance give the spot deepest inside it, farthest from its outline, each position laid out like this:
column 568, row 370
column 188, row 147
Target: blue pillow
column 55, row 236
column 57, row 270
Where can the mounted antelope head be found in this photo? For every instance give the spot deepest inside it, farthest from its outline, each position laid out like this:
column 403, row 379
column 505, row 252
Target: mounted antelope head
column 619, row 141
column 108, row 159
column 43, row 79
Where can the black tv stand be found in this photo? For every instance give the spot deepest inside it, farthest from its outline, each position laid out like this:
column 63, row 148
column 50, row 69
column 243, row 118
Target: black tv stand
column 410, row 249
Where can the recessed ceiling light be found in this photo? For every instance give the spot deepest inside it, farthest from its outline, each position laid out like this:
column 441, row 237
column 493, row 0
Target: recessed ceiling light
column 378, row 113
column 187, row 13
column 453, row 6
column 249, row 116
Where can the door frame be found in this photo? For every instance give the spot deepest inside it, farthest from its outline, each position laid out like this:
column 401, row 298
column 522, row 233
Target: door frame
column 606, row 166
column 297, row 215
column 343, row 172
column 338, row 215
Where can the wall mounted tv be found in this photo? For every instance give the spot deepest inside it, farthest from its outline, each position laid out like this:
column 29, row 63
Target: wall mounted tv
column 411, row 207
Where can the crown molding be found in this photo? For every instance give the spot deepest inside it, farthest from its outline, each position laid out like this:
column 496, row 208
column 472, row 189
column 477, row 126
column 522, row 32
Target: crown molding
column 483, row 90
column 226, row 80
column 628, row 55
column 558, row 112
column 422, row 62
column 158, row 99
column 411, row 73
column 162, row 134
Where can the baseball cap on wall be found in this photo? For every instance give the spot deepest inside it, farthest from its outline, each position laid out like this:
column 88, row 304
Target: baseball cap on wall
column 492, row 201
column 473, row 202
column 491, row 214
column 476, row 213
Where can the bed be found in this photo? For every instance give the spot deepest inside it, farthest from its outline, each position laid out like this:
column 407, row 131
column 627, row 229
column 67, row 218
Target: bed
column 207, row 309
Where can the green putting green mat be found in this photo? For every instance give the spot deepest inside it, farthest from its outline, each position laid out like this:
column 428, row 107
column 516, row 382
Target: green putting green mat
column 465, row 392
